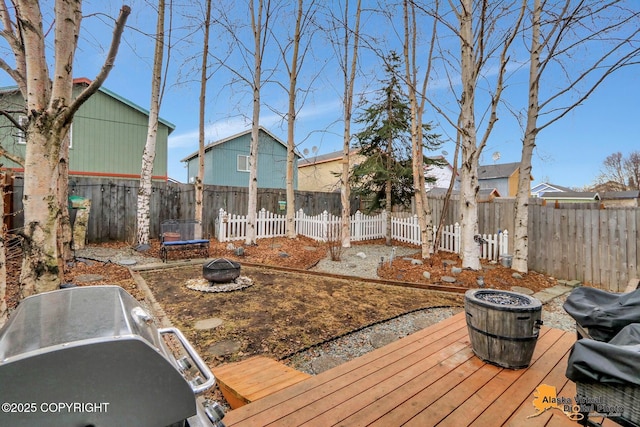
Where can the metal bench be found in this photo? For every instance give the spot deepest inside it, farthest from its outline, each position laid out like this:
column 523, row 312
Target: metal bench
column 182, row 235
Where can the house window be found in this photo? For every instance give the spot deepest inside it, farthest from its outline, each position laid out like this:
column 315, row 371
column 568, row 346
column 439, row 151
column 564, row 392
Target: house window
column 22, row 136
column 243, row 163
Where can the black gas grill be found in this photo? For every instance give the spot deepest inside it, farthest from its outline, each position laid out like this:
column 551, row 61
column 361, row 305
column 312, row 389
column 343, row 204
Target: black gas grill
column 92, row 356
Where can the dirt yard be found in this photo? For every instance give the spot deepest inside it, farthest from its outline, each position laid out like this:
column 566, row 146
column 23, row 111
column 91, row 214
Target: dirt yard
column 282, row 312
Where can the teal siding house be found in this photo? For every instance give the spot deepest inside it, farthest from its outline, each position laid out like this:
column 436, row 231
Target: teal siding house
column 108, row 135
column 226, row 162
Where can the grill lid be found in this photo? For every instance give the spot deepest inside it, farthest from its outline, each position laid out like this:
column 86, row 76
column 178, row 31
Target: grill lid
column 90, row 313
column 90, row 345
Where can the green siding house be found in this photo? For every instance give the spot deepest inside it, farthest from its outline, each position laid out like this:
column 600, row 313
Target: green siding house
column 108, row 135
column 226, row 162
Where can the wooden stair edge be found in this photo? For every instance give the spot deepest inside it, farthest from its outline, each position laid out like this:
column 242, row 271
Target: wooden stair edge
column 237, row 381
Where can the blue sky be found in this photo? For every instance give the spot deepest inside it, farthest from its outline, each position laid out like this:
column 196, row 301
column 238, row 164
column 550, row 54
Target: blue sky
column 568, row 153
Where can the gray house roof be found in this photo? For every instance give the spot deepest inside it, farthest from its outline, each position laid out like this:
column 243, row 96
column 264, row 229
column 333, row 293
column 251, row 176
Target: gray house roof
column 503, row 170
column 321, row 158
column 570, row 195
column 617, row 195
column 232, row 137
column 484, row 194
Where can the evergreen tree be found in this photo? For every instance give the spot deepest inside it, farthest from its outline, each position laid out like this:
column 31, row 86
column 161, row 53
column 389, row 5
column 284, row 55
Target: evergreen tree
column 385, row 177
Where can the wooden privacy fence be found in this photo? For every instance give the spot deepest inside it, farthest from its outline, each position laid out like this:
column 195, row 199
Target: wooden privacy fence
column 595, row 246
column 568, row 241
column 326, row 227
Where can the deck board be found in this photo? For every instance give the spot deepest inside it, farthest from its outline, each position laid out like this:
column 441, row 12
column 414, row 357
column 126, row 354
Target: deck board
column 431, row 377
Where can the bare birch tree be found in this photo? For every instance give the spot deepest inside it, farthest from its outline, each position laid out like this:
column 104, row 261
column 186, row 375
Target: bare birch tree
column 560, row 31
column 244, row 61
column 304, row 16
column 50, row 108
column 149, row 153
column 486, row 31
column 417, row 100
column 345, row 39
column 260, row 28
column 199, row 181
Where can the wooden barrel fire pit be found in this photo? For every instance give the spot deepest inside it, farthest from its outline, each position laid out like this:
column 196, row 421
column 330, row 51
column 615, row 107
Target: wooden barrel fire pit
column 221, row 270
column 503, row 326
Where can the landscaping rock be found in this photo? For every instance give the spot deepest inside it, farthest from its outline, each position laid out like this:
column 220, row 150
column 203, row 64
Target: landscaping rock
column 361, row 255
column 205, row 324
column 416, row 262
column 239, row 251
column 283, row 255
column 449, row 262
column 382, row 338
column 224, row 347
column 516, row 276
column 448, row 279
column 324, row 363
column 230, row 247
column 426, row 275
column 456, row 270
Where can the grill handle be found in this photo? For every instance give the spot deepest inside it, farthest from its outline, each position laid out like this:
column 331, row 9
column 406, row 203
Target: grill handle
column 202, row 367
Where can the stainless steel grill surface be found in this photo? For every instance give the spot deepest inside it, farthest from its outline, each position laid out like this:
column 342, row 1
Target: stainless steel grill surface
column 92, row 356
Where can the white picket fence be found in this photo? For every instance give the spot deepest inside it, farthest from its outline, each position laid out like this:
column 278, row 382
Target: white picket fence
column 325, row 227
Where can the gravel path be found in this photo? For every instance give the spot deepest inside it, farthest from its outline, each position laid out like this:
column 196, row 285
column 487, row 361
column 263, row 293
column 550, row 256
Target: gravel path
column 342, row 349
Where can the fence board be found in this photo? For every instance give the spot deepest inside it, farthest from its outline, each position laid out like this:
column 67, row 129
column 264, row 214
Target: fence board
column 633, row 239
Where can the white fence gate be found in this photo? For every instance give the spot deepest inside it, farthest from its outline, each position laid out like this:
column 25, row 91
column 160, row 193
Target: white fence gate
column 326, row 227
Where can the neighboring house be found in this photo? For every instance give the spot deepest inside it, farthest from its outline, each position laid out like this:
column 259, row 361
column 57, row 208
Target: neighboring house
column 441, row 172
column 503, row 177
column 484, row 195
column 108, row 135
column 322, row 172
column 226, row 162
column 609, row 186
column 629, row 198
column 571, row 196
column 539, row 189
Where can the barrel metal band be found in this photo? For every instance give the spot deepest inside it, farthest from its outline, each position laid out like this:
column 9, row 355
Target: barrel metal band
column 516, row 339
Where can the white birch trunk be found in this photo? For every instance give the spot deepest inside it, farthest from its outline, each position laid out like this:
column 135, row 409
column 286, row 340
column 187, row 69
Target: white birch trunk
column 349, row 81
column 291, row 120
column 521, row 229
column 469, row 171
column 199, row 183
column 252, row 205
column 148, row 156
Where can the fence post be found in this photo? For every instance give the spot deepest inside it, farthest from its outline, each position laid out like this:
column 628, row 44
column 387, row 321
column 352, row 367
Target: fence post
column 456, row 237
column 504, row 243
column 261, row 223
column 357, row 227
column 325, row 226
column 297, row 221
column 222, row 231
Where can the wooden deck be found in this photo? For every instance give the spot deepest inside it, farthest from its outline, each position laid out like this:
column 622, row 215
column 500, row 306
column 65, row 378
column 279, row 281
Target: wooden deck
column 429, row 378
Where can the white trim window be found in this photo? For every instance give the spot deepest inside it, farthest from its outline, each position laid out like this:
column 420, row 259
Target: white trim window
column 243, row 163
column 22, row 135
column 71, row 136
